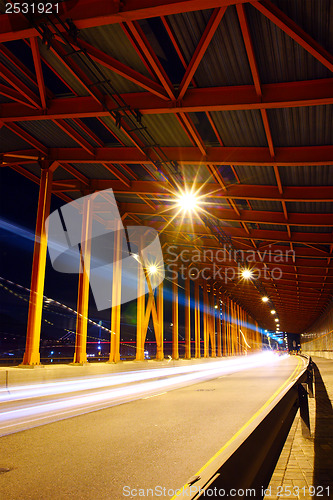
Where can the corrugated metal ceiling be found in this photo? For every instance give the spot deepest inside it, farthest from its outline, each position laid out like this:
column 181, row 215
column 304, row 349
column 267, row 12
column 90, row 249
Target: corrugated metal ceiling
column 240, row 128
column 279, row 57
column 49, row 133
column 306, row 126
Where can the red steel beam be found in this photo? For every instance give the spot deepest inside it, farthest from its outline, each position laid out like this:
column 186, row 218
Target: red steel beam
column 89, row 132
column 280, row 95
column 213, row 245
column 29, row 75
column 58, row 75
column 82, row 78
column 246, row 216
column 151, row 57
column 117, row 173
column 122, row 69
column 286, row 156
column 18, row 85
column 249, row 47
column 14, row 27
column 29, row 175
column 189, row 127
column 201, row 48
column 38, row 69
column 254, row 70
column 256, row 234
column 27, row 137
column 14, row 95
column 243, row 191
column 75, row 136
column 74, row 69
column 70, row 169
column 282, row 21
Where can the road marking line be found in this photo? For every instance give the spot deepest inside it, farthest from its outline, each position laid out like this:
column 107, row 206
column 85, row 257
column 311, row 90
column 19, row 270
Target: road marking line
column 224, row 447
column 154, row 395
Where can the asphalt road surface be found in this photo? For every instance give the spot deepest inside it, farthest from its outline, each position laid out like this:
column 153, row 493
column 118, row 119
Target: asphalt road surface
column 156, row 442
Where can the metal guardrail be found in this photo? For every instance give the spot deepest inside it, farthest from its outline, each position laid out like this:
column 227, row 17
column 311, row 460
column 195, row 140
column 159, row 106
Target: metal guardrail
column 247, row 461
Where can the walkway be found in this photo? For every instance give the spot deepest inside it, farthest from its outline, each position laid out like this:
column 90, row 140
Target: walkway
column 306, row 464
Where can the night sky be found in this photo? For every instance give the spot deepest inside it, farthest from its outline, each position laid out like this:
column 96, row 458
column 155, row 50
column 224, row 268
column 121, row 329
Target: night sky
column 19, row 199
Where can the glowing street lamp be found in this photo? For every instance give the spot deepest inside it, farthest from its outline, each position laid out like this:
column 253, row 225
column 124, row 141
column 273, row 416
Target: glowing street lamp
column 187, row 202
column 246, row 274
column 152, row 269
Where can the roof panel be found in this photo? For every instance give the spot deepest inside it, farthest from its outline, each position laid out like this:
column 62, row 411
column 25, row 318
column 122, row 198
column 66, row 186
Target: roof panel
column 269, row 206
column 307, row 175
column 10, row 141
column 314, row 16
column 61, row 174
column 113, row 81
column 305, row 126
column 94, row 171
column 311, row 229
column 240, row 128
column 49, row 134
column 279, row 57
column 256, row 175
column 109, row 122
column 196, row 173
column 59, row 67
column 219, row 66
column 82, row 132
column 313, row 207
column 273, row 227
column 112, row 40
column 166, row 130
column 18, row 73
column 220, row 54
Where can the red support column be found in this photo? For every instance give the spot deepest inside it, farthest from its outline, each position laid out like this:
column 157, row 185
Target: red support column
column 212, row 324
column 31, row 355
column 116, row 295
column 219, row 326
column 140, row 315
column 175, row 351
column 224, row 330
column 160, row 317
column 80, row 355
column 187, row 318
column 205, row 320
column 197, row 319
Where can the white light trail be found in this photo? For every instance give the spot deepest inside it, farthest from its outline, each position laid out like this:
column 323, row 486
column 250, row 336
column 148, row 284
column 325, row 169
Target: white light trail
column 20, row 412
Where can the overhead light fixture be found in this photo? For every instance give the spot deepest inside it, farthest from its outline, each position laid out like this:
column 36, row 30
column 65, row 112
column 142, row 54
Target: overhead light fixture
column 246, row 274
column 273, row 311
column 216, row 307
column 276, row 320
column 265, row 299
column 187, row 202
